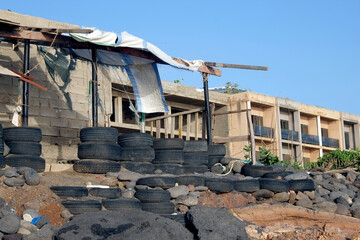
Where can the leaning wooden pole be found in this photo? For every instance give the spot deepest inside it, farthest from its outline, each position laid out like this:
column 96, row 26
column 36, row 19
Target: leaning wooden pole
column 252, row 135
column 207, row 108
column 26, row 87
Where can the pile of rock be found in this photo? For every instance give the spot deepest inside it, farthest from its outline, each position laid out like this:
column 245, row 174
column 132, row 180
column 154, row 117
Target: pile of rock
column 19, row 176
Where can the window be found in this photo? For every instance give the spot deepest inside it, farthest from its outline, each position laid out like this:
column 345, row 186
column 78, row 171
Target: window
column 257, row 120
column 324, row 132
column 304, row 129
column 284, row 124
column 347, row 140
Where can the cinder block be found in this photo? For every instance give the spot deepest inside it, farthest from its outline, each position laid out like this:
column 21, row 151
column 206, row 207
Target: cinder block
column 7, row 108
column 49, row 95
column 39, row 102
column 58, row 122
column 80, row 106
column 82, row 116
column 49, row 112
column 58, row 104
column 39, row 121
column 67, row 114
column 50, row 131
column 59, row 152
column 34, row 111
column 77, row 124
column 69, row 133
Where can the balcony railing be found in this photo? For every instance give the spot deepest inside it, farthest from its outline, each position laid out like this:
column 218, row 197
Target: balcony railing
column 263, row 131
column 330, row 142
column 289, row 135
column 311, row 139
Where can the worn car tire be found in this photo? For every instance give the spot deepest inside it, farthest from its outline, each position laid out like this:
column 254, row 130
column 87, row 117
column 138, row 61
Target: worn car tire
column 168, row 156
column 2, row 161
column 1, row 131
column 169, row 144
column 34, row 162
column 96, row 166
column 27, row 134
column 246, row 185
column 159, row 208
column 256, row 170
column 136, row 140
column 163, row 182
column 213, row 160
column 191, row 180
column 175, row 169
column 274, row 185
column 139, row 167
column 109, row 193
column 180, row 218
column 196, row 158
column 302, row 185
column 25, row 148
column 152, row 196
column 66, row 191
column 217, row 150
column 220, row 185
column 77, row 206
column 188, row 169
column 121, row 204
column 195, row 146
column 99, row 134
column 99, row 150
column 277, row 175
column 137, row 154
column 1, row 147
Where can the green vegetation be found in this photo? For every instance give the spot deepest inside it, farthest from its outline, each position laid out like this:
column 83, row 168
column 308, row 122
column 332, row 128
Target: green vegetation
column 232, row 88
column 179, row 81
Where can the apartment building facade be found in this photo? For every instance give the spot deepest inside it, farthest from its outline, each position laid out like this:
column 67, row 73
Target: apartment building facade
column 291, row 130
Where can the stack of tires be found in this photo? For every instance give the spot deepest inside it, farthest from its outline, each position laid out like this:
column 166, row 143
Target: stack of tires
column 98, row 151
column 216, row 153
column 137, row 152
column 169, row 155
column 25, row 147
column 2, row 158
column 195, row 157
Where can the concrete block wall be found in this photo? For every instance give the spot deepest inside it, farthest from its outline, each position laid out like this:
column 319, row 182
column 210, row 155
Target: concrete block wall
column 50, row 110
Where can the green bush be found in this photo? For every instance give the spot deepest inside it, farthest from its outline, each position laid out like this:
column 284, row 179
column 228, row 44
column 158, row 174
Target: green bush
column 340, row 159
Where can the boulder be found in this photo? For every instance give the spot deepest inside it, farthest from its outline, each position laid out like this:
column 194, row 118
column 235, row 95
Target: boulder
column 45, row 233
column 187, row 200
column 297, row 176
column 215, row 223
column 129, row 176
column 350, row 176
column 132, row 224
column 31, row 177
column 263, row 194
column 12, row 182
column 11, row 172
column 178, row 191
column 9, row 224
column 304, row 202
column 281, row 197
column 342, row 210
column 325, row 207
column 355, row 211
column 238, row 166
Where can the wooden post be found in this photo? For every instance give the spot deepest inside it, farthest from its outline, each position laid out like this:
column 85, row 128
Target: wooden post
column 207, row 108
column 172, row 130
column 188, row 123
column 158, row 126
column 151, row 128
column 203, row 130
column 166, row 120
column 180, row 125
column 26, row 87
column 252, row 136
column 196, row 126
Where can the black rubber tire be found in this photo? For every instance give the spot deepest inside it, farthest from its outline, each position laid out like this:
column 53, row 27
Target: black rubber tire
column 99, row 150
column 191, row 180
column 256, row 170
column 26, row 134
column 195, row 146
column 175, row 169
column 277, row 175
column 109, row 193
column 138, row 154
column 96, row 166
column 159, row 208
column 180, row 218
column 163, row 182
column 99, row 134
column 1, row 147
column 169, row 144
column 139, row 167
column 246, row 185
column 34, row 162
column 66, row 191
column 168, row 156
column 195, row 169
column 25, row 148
column 213, row 160
column 1, row 131
column 136, row 140
column 153, row 196
column 216, row 150
column 220, row 185
column 78, row 207
column 121, row 204
column 302, row 185
column 196, row 158
column 274, row 185
column 2, row 161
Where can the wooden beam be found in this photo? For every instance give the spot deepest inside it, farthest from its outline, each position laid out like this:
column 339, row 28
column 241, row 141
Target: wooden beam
column 225, row 65
column 203, row 68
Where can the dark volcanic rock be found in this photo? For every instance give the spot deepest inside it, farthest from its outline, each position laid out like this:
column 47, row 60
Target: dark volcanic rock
column 31, row 177
column 215, row 223
column 133, row 224
column 11, row 182
column 11, row 172
column 9, row 224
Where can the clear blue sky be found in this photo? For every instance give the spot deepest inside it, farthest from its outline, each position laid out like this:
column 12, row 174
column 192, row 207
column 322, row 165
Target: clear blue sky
column 312, row 47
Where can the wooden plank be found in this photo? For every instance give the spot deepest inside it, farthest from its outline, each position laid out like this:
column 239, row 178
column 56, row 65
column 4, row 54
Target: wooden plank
column 203, row 68
column 118, row 109
column 166, row 128
column 172, row 130
column 230, row 112
column 175, row 114
column 252, row 135
column 225, row 65
column 180, row 125
column 35, row 84
column 158, row 126
column 197, row 126
column 188, row 122
column 151, row 128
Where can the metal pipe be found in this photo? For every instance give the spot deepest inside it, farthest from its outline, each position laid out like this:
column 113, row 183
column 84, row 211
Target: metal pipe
column 25, row 94
column 94, row 86
column 207, row 108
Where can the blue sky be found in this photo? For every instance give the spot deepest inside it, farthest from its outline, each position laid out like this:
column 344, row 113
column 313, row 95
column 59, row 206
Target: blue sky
column 312, row 47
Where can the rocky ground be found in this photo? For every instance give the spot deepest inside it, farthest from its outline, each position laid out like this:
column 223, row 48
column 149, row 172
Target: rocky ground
column 329, row 211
